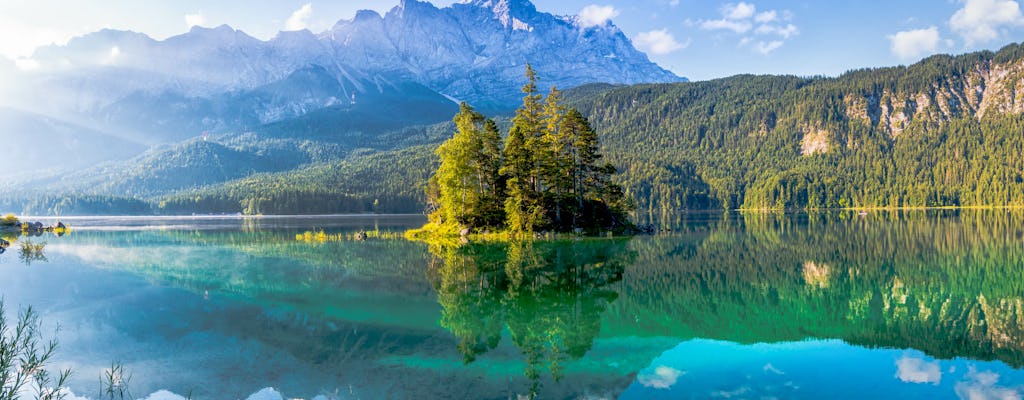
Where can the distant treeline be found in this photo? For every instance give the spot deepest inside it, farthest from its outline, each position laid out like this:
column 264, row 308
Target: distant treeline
column 74, row 205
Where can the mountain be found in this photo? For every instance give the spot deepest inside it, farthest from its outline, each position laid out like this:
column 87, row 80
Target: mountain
column 67, row 144
column 476, row 51
column 942, row 132
column 223, row 80
column 347, row 120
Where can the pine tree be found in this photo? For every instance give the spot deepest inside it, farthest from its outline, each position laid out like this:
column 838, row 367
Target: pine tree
column 545, row 176
column 523, row 208
column 467, row 180
column 554, row 150
column 491, row 209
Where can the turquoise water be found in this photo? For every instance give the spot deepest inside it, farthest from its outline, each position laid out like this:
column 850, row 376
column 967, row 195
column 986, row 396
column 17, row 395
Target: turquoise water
column 889, row 305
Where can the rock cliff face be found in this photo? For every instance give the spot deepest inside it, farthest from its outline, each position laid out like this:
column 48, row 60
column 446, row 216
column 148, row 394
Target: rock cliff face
column 988, row 86
column 473, row 51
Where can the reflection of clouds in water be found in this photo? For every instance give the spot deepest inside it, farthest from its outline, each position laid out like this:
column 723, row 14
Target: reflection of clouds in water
column 263, row 394
column 164, row 395
column 739, row 392
column 771, row 368
column 982, row 386
column 68, row 395
column 113, row 256
column 266, row 394
column 662, row 378
column 916, row 370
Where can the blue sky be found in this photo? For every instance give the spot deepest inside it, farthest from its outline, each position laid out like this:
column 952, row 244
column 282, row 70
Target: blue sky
column 699, row 39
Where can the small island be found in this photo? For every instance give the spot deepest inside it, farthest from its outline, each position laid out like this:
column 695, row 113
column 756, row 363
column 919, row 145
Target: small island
column 11, row 224
column 545, row 176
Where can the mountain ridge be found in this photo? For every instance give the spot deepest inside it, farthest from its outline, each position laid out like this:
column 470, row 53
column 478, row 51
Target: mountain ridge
column 742, row 142
column 466, row 52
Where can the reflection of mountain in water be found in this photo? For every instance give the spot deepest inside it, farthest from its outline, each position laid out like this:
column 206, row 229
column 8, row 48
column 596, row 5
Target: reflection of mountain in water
column 548, row 295
column 367, row 311
column 948, row 284
column 593, row 311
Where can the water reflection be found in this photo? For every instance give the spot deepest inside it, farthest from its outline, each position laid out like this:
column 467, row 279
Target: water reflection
column 550, row 296
column 29, row 251
column 949, row 284
column 740, row 305
column 29, row 246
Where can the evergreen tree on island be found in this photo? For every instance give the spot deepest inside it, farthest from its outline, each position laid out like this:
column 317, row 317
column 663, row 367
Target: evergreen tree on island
column 546, row 176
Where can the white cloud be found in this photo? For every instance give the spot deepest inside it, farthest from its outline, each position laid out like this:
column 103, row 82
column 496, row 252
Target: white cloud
column 767, row 16
column 743, row 17
column 658, row 42
column 735, row 26
column 784, row 31
column 197, row 19
column 913, row 44
column 112, row 56
column 916, row 370
column 27, row 64
column 673, row 3
column 19, row 38
column 594, row 15
column 739, row 11
column 300, row 18
column 766, row 48
column 982, row 20
column 662, row 378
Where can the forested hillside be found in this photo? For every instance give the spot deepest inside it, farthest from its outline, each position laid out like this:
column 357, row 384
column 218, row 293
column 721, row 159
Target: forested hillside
column 943, row 132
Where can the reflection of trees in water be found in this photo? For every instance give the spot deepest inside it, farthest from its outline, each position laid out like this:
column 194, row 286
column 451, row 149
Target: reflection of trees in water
column 549, row 295
column 949, row 284
column 29, row 251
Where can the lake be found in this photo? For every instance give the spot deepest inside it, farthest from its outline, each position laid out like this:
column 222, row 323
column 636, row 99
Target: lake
column 836, row 305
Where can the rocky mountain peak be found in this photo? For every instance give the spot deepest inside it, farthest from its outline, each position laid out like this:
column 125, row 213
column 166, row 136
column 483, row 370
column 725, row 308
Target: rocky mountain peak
column 474, row 51
column 413, row 6
column 518, row 6
column 362, row 15
column 515, row 14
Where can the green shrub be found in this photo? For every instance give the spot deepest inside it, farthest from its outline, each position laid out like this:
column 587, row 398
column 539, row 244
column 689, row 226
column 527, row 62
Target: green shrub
column 9, row 220
column 23, row 358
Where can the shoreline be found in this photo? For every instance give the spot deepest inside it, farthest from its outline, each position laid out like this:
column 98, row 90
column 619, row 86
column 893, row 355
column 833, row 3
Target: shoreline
column 928, row 208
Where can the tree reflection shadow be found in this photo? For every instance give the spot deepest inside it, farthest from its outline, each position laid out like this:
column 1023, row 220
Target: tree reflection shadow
column 29, row 251
column 549, row 296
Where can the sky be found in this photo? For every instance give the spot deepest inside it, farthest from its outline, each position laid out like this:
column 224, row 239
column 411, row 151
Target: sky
column 698, row 39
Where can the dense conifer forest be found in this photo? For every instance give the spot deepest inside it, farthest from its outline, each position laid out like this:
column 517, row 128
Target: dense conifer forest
column 546, row 175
